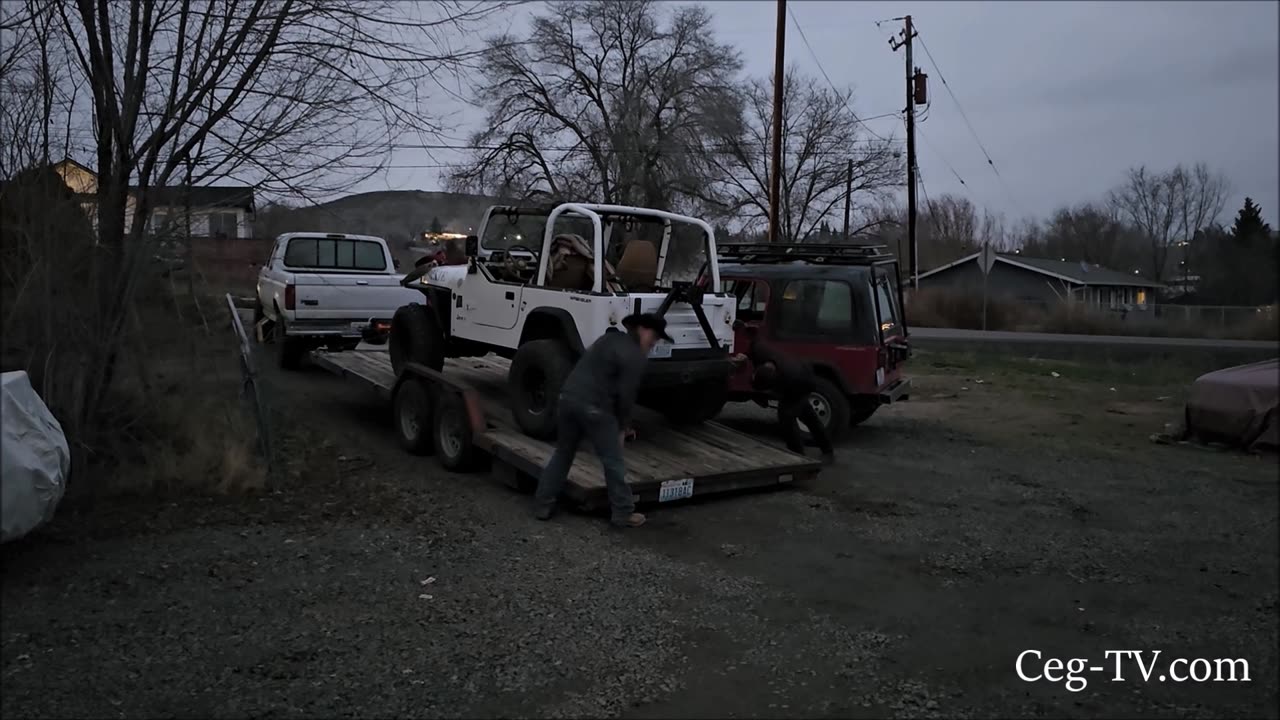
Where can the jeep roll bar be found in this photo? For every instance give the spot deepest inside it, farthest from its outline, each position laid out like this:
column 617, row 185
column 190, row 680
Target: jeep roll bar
column 593, row 212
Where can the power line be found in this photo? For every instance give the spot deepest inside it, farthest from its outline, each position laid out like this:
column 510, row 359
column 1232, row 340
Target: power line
column 920, row 178
column 941, row 157
column 841, row 148
column 826, row 77
column 965, row 116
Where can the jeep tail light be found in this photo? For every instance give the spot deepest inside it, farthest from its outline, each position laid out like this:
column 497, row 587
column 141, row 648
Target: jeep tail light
column 290, row 297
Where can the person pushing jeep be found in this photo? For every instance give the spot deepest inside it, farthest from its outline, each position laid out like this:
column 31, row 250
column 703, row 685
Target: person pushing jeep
column 792, row 382
column 595, row 403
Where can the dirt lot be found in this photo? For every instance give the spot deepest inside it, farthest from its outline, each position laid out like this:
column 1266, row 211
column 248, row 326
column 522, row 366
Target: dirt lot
column 1001, row 509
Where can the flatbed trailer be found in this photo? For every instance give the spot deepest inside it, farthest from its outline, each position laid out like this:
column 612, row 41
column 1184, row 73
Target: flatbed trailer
column 462, row 417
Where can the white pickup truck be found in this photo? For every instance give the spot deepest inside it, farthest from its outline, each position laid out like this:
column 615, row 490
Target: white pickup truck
column 325, row 289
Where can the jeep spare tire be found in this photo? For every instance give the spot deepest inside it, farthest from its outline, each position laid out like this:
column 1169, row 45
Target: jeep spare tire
column 416, row 338
column 538, row 371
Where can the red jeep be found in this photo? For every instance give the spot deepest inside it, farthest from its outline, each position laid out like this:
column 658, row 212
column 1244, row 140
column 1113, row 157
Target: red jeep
column 837, row 307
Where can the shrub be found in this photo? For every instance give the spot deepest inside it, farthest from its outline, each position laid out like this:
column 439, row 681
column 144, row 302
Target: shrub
column 959, row 309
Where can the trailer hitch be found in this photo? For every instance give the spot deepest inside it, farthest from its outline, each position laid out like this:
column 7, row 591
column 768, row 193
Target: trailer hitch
column 692, row 294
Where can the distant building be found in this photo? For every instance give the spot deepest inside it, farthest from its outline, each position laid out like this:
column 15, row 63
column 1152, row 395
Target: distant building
column 1045, row 282
column 1180, row 274
column 216, row 211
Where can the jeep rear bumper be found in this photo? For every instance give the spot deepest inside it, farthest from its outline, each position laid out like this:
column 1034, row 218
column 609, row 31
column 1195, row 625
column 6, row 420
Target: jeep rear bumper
column 897, row 391
column 673, row 373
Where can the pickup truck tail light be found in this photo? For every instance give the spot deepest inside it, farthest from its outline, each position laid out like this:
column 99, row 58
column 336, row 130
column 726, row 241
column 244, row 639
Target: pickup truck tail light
column 290, row 297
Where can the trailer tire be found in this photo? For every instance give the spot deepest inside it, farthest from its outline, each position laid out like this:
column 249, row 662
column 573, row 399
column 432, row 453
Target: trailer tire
column 454, row 445
column 414, row 410
column 416, row 338
column 538, row 371
column 832, row 408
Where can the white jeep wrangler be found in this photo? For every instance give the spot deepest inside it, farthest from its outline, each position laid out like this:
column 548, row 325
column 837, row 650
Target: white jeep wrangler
column 541, row 307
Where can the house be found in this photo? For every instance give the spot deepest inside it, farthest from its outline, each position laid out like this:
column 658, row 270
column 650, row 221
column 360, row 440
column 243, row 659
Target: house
column 216, row 211
column 1044, row 282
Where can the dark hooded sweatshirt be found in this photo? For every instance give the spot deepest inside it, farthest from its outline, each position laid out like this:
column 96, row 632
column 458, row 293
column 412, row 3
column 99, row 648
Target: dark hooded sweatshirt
column 793, row 377
column 608, row 375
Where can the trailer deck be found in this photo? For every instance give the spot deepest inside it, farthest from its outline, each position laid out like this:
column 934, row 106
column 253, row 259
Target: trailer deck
column 664, row 463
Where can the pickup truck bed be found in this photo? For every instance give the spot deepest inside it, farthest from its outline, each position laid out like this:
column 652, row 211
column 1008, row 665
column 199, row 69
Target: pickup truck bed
column 664, row 463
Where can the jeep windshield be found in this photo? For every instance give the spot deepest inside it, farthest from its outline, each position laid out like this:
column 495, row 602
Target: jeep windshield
column 524, row 228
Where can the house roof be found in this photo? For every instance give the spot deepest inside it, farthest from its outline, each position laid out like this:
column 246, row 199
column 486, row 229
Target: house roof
column 1076, row 273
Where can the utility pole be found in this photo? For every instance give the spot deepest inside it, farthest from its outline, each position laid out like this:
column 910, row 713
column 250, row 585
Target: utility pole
column 775, row 178
column 908, row 32
column 848, row 192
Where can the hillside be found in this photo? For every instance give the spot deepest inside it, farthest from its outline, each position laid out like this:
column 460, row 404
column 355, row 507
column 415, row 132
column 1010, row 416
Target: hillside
column 397, row 215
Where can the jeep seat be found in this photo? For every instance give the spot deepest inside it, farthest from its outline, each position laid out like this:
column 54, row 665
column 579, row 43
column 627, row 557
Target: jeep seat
column 638, row 266
column 570, row 265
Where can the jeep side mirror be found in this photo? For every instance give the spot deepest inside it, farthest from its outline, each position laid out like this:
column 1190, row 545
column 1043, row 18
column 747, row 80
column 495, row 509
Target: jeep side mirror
column 472, row 246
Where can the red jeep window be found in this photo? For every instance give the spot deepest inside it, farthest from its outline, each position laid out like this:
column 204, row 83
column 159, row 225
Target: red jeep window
column 752, row 296
column 815, row 309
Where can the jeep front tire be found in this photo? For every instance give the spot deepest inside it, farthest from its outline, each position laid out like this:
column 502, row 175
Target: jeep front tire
column 538, row 371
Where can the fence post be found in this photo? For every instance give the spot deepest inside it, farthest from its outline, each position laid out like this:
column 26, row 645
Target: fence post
column 250, row 387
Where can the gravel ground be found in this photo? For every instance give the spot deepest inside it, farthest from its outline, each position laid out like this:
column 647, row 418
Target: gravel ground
column 958, row 530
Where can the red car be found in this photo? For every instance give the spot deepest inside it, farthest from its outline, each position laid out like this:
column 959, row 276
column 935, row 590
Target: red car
column 837, row 307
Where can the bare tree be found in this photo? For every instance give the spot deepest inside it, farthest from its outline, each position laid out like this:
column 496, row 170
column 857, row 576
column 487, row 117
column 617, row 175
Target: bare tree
column 607, row 100
column 820, row 138
column 1169, row 207
column 299, row 95
column 1088, row 232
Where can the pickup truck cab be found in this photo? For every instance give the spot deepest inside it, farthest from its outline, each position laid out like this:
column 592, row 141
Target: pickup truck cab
column 324, row 289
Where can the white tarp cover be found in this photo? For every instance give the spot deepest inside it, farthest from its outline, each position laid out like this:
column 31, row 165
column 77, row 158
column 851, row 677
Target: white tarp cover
column 34, row 458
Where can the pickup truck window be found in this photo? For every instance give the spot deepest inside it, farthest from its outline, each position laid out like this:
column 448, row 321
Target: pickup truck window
column 335, row 254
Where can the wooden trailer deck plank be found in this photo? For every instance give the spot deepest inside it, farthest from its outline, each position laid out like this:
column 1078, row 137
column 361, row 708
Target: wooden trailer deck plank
column 716, row 457
column 659, row 453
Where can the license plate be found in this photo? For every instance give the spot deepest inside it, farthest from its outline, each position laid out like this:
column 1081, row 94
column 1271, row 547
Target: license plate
column 675, row 490
column 661, row 350
column 358, row 327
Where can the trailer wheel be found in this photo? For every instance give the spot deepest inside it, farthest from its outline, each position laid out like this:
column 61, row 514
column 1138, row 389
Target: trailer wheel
column 454, row 445
column 416, row 337
column 537, row 373
column 832, row 408
column 413, row 414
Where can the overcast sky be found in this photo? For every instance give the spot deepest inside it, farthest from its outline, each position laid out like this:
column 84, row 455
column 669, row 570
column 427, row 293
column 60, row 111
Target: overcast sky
column 1064, row 95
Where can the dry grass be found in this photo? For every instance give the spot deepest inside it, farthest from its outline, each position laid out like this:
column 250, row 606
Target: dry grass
column 179, row 423
column 949, row 309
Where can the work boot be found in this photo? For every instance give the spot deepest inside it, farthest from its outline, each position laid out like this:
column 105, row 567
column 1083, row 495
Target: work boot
column 633, row 520
column 544, row 512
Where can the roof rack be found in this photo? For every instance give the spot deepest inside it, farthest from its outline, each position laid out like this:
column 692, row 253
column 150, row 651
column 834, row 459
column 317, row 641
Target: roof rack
column 806, row 252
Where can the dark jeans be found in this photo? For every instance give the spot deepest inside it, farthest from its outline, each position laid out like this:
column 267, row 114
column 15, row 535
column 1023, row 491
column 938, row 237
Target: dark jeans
column 576, row 421
column 794, row 408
